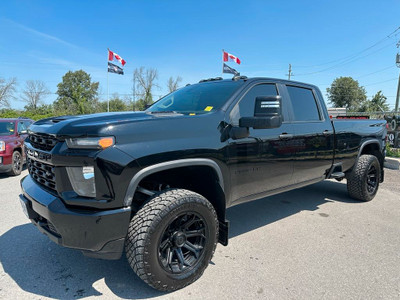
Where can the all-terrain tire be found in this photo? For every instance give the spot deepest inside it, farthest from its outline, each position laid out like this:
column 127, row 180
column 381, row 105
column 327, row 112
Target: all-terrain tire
column 16, row 164
column 363, row 180
column 152, row 223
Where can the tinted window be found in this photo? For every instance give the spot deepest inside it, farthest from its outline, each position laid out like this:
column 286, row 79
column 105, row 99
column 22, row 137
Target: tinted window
column 21, row 127
column 7, row 128
column 245, row 108
column 303, row 103
column 198, row 98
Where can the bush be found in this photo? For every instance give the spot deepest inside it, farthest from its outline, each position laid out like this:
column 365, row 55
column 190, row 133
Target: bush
column 392, row 152
column 44, row 111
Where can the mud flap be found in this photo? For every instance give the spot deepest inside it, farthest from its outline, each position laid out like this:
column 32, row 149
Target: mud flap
column 223, row 232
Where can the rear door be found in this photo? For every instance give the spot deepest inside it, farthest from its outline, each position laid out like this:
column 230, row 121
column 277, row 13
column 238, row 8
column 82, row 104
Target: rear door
column 313, row 134
column 263, row 161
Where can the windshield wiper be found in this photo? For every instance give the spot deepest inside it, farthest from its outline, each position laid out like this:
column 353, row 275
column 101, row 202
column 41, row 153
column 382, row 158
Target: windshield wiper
column 164, row 112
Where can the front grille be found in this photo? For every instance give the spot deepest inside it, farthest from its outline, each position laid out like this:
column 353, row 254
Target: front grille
column 42, row 173
column 42, row 142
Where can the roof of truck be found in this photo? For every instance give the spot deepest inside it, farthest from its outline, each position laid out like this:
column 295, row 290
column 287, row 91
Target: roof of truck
column 251, row 79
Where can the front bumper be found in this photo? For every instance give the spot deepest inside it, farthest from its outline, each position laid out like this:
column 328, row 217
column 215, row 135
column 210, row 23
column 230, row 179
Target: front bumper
column 98, row 233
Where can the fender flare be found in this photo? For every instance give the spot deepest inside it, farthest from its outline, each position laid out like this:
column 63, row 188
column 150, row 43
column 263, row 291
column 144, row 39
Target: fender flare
column 368, row 142
column 133, row 184
column 372, row 141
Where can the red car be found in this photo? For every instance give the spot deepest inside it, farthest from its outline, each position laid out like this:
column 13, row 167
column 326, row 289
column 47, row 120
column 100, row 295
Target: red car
column 13, row 132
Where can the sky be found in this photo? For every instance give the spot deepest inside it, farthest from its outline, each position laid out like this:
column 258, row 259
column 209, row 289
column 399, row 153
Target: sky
column 322, row 40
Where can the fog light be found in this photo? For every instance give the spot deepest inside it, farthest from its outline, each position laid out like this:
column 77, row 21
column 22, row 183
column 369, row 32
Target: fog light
column 82, row 180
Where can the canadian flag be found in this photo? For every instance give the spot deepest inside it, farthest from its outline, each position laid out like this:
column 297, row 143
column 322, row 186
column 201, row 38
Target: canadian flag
column 112, row 55
column 230, row 57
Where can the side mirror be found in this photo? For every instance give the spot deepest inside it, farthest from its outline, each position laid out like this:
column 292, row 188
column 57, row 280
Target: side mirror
column 267, row 113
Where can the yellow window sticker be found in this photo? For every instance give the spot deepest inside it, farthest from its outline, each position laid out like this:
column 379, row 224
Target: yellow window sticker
column 192, row 114
column 208, row 108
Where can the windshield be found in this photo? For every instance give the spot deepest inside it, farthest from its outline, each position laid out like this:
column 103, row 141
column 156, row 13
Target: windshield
column 7, row 128
column 198, row 98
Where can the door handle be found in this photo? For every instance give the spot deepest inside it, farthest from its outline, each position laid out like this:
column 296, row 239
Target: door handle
column 285, row 136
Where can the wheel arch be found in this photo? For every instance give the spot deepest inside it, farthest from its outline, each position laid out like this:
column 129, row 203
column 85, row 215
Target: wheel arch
column 215, row 189
column 373, row 147
column 19, row 149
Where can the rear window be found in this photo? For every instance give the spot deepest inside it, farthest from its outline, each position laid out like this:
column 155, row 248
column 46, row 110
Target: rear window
column 303, row 103
column 7, row 128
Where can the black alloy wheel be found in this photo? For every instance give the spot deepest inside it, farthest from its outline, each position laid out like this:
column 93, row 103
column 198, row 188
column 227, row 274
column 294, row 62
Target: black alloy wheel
column 16, row 166
column 363, row 181
column 372, row 179
column 172, row 239
column 182, row 243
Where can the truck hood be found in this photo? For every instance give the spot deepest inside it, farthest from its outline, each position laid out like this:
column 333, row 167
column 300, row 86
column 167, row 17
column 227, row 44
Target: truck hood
column 102, row 124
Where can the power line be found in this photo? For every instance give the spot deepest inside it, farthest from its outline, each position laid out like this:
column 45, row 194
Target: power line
column 381, row 82
column 353, row 57
column 346, row 62
column 389, row 67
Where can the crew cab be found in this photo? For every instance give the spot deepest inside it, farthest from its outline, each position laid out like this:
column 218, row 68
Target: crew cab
column 13, row 132
column 157, row 183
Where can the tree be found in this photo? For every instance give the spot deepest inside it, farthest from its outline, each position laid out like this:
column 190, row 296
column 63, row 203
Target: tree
column 378, row 103
column 173, row 83
column 116, row 104
column 140, row 105
column 346, row 92
column 7, row 90
column 77, row 94
column 33, row 94
column 145, row 83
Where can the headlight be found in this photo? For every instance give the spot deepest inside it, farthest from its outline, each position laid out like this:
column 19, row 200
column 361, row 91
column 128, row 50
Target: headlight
column 90, row 142
column 2, row 146
column 82, row 180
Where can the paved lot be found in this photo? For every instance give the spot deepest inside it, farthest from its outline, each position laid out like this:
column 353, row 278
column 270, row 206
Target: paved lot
column 312, row 243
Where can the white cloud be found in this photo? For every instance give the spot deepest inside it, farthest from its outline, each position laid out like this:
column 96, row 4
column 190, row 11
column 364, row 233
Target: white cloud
column 42, row 34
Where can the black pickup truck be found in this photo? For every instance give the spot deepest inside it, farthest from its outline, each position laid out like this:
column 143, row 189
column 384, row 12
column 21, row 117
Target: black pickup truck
column 157, row 183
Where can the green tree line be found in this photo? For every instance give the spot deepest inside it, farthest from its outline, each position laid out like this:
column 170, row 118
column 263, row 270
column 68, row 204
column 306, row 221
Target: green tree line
column 78, row 94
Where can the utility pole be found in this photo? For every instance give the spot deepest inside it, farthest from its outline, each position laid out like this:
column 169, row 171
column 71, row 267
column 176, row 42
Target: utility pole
column 396, row 108
column 290, row 72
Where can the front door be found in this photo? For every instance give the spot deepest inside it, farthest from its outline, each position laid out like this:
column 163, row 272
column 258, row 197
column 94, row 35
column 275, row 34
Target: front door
column 263, row 161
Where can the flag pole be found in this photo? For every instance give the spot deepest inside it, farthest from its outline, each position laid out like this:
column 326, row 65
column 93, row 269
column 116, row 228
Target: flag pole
column 134, row 91
column 108, row 100
column 223, row 61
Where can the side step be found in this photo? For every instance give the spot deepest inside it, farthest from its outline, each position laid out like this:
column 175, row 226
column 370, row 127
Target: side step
column 338, row 175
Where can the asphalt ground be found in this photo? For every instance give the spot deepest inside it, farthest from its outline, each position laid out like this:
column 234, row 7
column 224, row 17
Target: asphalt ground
column 310, row 243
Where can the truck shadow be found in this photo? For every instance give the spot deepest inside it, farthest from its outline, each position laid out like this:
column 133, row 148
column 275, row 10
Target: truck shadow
column 43, row 268
column 252, row 215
